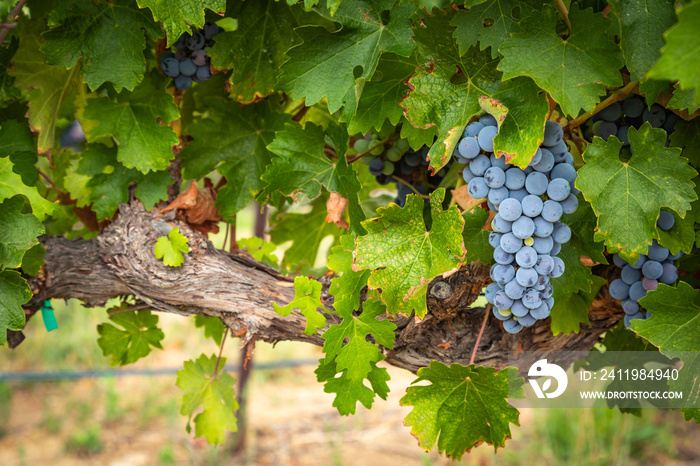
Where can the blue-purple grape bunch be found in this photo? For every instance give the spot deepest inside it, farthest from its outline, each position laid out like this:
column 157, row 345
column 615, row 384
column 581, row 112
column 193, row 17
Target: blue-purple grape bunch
column 405, row 167
column 654, row 267
column 527, row 234
column 187, row 61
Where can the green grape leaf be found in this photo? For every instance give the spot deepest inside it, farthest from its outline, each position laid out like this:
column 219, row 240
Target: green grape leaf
column 15, row 137
column 213, row 327
column 307, row 299
column 627, row 196
column 642, row 24
column 417, row 137
column 305, row 230
column 681, row 237
column 256, row 50
column 490, row 22
column 381, row 95
column 686, row 135
column 675, row 318
column 140, row 333
column 14, row 292
column 170, row 248
column 132, row 121
column 574, row 71
column 47, row 88
column 571, row 310
column 651, row 88
column 583, row 226
column 677, row 62
column 11, row 184
column 346, row 288
column 180, row 15
column 302, row 168
column 18, row 231
column 404, row 257
column 236, row 136
column 355, row 46
column 456, row 88
column 107, row 182
column 262, row 251
column 8, row 91
column 109, row 37
column 462, row 407
column 347, row 342
column 33, row 260
column 476, row 239
column 683, row 99
column 211, row 392
column 348, row 391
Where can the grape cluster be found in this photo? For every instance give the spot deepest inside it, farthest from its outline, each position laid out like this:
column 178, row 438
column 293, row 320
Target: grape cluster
column 616, row 119
column 188, row 60
column 527, row 234
column 654, row 267
column 407, row 168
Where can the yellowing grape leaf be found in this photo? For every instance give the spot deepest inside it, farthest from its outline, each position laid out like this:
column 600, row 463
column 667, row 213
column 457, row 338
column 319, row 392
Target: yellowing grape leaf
column 307, row 299
column 170, row 248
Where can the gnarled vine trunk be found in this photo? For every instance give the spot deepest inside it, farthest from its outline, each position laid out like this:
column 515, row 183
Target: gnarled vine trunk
column 240, row 291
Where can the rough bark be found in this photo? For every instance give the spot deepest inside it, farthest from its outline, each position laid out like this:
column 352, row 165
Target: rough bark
column 241, row 291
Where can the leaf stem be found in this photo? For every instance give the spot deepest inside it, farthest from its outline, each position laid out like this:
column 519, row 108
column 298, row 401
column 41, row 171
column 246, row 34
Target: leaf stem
column 53, row 185
column 565, row 13
column 13, row 16
column 221, row 350
column 616, row 96
column 481, row 333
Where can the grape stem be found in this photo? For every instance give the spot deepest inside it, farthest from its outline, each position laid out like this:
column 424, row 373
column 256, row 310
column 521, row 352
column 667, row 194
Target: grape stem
column 221, row 350
column 13, row 16
column 48, row 180
column 380, row 143
column 565, row 13
column 616, row 96
column 400, row 180
column 481, row 333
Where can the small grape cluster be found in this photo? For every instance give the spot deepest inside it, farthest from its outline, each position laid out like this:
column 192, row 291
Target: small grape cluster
column 527, row 234
column 616, row 119
column 407, row 168
column 654, row 267
column 188, row 60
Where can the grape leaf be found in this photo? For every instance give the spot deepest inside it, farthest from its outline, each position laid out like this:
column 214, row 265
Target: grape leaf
column 627, row 196
column 682, row 236
column 686, row 135
column 108, row 182
column 651, row 88
column 476, row 239
column 15, row 137
column 127, row 346
column 381, row 95
column 328, row 64
column 678, row 57
column 132, row 121
column 571, row 310
column 452, row 90
column 306, row 231
column 256, row 50
column 404, row 257
column 262, row 251
column 13, row 293
column 574, row 71
column 642, row 24
column 347, row 287
column 583, row 224
column 303, row 167
column 33, row 260
column 47, row 88
column 490, row 22
column 236, row 136
column 179, row 15
column 214, row 393
column 307, row 299
column 11, row 184
column 109, row 37
column 417, row 137
column 8, row 91
column 213, row 327
column 349, row 392
column 462, row 407
column 683, row 99
column 18, row 231
column 170, row 248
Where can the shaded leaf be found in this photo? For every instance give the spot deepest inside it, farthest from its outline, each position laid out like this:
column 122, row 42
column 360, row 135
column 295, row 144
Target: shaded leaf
column 140, row 333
